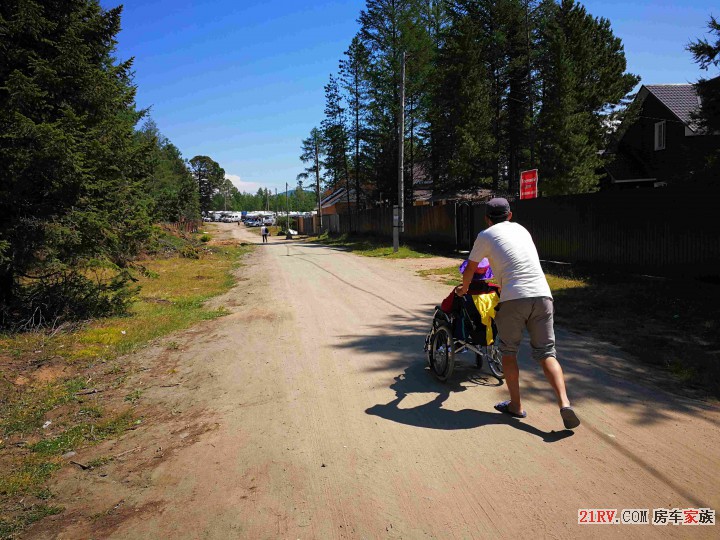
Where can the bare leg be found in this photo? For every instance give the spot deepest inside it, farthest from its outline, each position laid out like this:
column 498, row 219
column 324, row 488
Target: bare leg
column 554, row 375
column 512, row 378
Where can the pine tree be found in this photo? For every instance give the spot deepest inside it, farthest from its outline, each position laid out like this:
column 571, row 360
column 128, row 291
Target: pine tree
column 461, row 113
column 312, row 153
column 707, row 54
column 354, row 80
column 72, row 169
column 582, row 76
column 382, row 24
column 335, row 138
column 209, row 178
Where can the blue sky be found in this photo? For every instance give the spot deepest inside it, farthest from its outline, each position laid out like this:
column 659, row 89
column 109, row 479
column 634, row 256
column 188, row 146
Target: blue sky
column 242, row 81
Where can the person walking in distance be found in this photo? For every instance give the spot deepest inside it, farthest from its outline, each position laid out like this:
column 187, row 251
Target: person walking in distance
column 525, row 302
column 264, row 231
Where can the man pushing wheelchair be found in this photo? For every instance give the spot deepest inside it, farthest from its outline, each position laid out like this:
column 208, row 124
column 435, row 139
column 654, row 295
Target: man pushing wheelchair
column 525, row 302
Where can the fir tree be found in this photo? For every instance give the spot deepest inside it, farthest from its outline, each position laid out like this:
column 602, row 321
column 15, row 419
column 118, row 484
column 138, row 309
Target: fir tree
column 72, row 169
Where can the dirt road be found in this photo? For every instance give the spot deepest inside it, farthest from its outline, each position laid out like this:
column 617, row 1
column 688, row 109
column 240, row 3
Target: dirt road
column 308, row 413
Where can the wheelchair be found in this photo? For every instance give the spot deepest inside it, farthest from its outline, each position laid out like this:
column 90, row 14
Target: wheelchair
column 459, row 330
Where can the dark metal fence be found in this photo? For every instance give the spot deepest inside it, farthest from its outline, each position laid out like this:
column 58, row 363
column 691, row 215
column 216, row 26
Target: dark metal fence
column 653, row 231
column 422, row 223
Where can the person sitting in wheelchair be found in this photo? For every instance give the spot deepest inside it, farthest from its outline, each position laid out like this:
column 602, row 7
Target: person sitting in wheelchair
column 474, row 313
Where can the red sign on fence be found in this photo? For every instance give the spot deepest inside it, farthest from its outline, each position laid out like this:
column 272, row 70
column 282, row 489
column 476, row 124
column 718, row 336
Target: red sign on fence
column 528, row 184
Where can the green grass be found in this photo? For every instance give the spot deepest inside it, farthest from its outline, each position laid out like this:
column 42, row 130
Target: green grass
column 449, row 274
column 10, row 527
column 368, row 247
column 99, row 462
column 172, row 297
column 27, row 477
column 27, row 413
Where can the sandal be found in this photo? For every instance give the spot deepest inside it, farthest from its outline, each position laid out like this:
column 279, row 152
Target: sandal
column 504, row 407
column 569, row 417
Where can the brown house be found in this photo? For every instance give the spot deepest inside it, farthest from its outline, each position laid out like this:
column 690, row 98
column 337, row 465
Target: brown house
column 662, row 143
column 337, row 202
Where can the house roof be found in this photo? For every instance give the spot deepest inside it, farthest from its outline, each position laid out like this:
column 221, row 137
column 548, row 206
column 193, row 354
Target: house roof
column 332, row 197
column 681, row 99
column 339, row 196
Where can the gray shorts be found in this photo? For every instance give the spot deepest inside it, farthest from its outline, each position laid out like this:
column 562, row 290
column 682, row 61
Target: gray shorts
column 535, row 314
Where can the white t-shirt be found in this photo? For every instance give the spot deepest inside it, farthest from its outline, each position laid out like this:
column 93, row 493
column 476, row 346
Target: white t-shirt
column 514, row 260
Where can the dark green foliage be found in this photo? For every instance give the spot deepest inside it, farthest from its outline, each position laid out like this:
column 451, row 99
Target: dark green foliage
column 299, row 200
column 462, row 121
column 383, row 26
column 493, row 87
column 354, row 81
column 582, row 73
column 171, row 187
column 313, row 149
column 209, row 178
column 335, row 137
column 707, row 54
column 72, row 168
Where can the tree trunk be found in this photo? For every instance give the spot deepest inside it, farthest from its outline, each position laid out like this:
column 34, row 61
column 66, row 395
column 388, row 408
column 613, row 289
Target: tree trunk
column 7, row 292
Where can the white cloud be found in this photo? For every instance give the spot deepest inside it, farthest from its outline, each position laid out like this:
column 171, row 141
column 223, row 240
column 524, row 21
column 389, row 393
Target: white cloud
column 243, row 186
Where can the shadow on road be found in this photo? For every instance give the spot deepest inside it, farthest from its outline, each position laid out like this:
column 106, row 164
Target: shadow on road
column 432, row 415
column 594, row 371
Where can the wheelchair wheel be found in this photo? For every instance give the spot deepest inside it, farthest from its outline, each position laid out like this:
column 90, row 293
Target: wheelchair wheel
column 494, row 360
column 442, row 353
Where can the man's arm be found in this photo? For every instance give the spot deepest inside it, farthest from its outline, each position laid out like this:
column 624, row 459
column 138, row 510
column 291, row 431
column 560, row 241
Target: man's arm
column 476, row 255
column 467, row 277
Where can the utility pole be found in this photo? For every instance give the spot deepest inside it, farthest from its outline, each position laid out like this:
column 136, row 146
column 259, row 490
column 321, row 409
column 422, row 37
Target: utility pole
column 530, row 86
column 288, row 236
column 399, row 210
column 317, row 180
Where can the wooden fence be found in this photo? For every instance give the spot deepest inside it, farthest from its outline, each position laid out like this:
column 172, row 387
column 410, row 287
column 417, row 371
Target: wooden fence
column 192, row 226
column 653, row 231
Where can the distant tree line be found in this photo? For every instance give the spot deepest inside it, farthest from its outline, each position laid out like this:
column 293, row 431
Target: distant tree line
column 228, row 197
column 493, row 87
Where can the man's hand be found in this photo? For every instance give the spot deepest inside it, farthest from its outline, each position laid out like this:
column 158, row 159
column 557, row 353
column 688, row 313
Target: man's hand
column 467, row 277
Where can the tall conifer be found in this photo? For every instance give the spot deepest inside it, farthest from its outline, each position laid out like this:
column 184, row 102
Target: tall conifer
column 72, row 169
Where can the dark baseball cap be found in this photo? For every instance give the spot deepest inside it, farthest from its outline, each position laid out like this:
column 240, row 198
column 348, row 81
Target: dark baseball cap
column 497, row 208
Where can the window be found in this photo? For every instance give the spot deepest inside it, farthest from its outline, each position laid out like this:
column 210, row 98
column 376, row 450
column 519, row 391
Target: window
column 660, row 135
